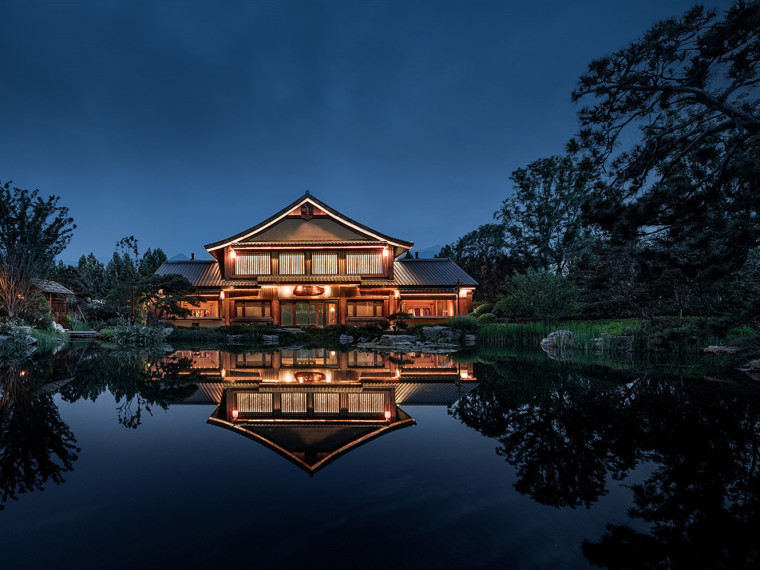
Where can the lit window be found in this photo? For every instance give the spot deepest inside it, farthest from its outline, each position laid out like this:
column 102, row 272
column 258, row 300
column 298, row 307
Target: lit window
column 364, row 263
column 291, row 264
column 203, row 310
column 324, row 263
column 365, row 308
column 252, row 264
column 252, row 309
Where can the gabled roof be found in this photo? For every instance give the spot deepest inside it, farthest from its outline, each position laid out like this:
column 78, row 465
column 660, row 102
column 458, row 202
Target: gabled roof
column 308, row 198
column 54, row 287
column 201, row 273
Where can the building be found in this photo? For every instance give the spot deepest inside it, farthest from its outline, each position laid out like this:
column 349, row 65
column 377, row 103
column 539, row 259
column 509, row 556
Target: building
column 58, row 296
column 308, row 264
column 313, row 405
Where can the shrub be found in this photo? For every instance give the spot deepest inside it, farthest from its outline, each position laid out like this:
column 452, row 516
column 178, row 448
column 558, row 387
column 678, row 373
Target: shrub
column 484, row 309
column 463, row 323
column 135, row 335
column 538, row 296
column 487, row 318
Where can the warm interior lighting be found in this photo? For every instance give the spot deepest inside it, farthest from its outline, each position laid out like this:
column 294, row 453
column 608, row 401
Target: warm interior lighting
column 332, row 353
column 234, row 414
column 310, row 377
column 308, row 290
column 463, row 374
column 387, row 414
column 463, row 293
column 332, row 309
column 233, row 254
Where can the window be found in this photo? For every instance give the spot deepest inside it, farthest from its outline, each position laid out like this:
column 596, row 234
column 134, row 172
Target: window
column 365, row 308
column 252, row 309
column 203, row 310
column 253, row 360
column 364, row 263
column 291, row 264
column 324, row 263
column 253, row 264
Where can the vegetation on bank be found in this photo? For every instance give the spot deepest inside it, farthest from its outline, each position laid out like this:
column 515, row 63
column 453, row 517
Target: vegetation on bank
column 654, row 212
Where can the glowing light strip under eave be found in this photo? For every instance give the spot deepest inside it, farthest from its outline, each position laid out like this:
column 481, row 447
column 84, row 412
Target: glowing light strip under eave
column 305, row 200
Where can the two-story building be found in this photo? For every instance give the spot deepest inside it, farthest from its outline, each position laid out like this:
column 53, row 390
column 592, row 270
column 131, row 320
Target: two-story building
column 308, row 264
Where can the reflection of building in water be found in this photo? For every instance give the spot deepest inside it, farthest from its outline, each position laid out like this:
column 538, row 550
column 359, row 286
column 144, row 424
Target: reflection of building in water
column 314, row 405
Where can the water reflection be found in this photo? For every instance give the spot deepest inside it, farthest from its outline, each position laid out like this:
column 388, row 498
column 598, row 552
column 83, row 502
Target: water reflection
column 36, row 445
column 687, row 448
column 567, row 433
column 314, row 405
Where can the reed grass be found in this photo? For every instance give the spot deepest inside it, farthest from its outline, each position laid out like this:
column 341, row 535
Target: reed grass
column 531, row 334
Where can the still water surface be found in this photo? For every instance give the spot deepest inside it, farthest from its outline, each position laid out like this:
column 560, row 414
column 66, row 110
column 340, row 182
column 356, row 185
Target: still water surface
column 207, row 459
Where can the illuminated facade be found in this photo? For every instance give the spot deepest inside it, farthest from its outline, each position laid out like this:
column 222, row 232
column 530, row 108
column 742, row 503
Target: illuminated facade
column 313, row 405
column 309, row 265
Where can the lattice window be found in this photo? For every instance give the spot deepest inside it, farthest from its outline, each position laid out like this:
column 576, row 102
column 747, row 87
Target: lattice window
column 253, row 264
column 291, row 264
column 254, row 403
column 324, row 263
column 326, row 403
column 366, row 403
column 293, row 402
column 364, row 263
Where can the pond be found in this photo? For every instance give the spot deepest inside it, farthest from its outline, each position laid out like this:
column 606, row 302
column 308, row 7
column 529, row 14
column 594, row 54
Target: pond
column 334, row 459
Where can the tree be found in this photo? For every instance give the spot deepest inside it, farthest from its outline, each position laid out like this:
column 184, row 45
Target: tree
column 32, row 228
column 686, row 92
column 542, row 220
column 32, row 232
column 483, row 253
column 537, row 296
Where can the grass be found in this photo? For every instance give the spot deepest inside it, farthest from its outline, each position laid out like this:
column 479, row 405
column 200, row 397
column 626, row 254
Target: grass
column 531, row 334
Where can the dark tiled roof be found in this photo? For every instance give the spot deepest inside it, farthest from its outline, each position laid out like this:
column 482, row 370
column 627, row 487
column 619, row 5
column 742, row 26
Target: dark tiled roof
column 321, row 205
column 420, row 273
column 51, row 287
column 426, row 273
column 199, row 273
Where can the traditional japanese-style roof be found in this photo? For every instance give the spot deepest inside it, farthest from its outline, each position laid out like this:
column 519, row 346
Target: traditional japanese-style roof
column 54, row 287
column 330, row 227
column 438, row 272
column 413, row 273
column 202, row 273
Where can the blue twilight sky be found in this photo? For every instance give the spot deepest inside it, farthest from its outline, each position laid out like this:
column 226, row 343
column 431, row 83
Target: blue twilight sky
column 184, row 122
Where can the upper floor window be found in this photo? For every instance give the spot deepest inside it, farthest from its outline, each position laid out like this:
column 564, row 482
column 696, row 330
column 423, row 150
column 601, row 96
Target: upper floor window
column 324, row 263
column 364, row 263
column 252, row 264
column 291, row 264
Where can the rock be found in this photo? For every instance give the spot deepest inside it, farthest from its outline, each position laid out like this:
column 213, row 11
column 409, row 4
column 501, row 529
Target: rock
column 345, row 339
column 752, row 365
column 433, row 333
column 57, row 328
column 235, row 339
column 23, row 329
column 721, row 349
column 560, row 340
column 270, row 340
column 168, row 331
column 469, row 340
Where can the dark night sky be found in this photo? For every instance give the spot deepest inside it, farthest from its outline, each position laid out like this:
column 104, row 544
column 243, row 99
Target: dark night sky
column 184, row 122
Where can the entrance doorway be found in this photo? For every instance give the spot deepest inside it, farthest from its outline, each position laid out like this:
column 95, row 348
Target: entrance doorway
column 309, row 314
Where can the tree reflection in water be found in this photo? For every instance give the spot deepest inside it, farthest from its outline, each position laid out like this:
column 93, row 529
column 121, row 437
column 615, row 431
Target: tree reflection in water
column 138, row 380
column 36, row 445
column 567, row 429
